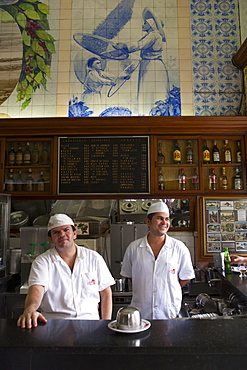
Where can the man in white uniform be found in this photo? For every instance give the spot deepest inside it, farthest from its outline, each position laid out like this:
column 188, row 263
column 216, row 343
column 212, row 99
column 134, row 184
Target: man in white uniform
column 159, row 267
column 67, row 281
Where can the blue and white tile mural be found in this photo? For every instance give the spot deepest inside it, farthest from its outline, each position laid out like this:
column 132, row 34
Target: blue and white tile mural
column 121, row 58
column 121, row 61
column 217, row 83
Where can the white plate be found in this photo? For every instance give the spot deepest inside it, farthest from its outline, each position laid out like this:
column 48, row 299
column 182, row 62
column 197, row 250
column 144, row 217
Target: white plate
column 145, row 324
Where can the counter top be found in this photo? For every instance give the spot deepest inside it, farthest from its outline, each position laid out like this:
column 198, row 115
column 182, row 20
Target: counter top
column 237, row 282
column 168, row 344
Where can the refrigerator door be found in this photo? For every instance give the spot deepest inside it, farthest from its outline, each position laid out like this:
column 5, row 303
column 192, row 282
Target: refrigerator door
column 122, row 235
column 5, row 205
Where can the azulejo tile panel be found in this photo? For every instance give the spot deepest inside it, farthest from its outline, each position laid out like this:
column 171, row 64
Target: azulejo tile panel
column 217, row 83
column 124, row 61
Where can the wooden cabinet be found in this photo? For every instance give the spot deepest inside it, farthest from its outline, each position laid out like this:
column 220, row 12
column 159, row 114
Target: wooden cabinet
column 27, row 165
column 180, row 165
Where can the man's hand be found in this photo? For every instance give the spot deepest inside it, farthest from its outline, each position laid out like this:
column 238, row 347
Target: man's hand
column 30, row 319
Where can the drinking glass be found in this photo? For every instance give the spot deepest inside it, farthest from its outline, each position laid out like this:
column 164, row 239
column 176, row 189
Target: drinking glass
column 242, row 270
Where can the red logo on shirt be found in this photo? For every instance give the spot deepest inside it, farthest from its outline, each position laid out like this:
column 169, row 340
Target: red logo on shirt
column 173, row 271
column 92, row 281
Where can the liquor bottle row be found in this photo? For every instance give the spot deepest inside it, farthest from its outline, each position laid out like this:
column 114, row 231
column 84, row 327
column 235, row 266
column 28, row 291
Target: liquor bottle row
column 27, row 153
column 177, row 153
column 15, row 181
column 221, row 155
column 222, row 181
column 184, row 182
column 214, row 153
column 191, row 182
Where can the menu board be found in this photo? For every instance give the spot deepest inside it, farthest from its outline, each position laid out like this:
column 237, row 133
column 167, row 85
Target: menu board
column 103, row 165
column 226, row 225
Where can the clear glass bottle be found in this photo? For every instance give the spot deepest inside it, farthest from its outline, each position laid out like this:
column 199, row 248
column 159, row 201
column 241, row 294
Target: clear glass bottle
column 176, row 153
column 27, row 155
column 189, row 153
column 227, row 153
column 29, row 181
column 19, row 182
column 239, row 153
column 182, row 180
column 11, row 156
column 10, row 182
column 35, row 154
column 45, row 154
column 195, row 180
column 216, row 153
column 212, row 180
column 161, row 157
column 205, row 153
column 41, row 182
column 223, row 179
column 19, row 156
column 237, row 180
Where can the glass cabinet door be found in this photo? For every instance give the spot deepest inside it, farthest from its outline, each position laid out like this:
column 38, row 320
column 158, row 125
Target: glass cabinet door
column 4, row 231
column 28, row 166
column 177, row 164
column 223, row 170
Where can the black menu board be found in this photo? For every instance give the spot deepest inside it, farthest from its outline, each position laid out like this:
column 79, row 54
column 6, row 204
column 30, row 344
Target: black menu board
column 103, row 165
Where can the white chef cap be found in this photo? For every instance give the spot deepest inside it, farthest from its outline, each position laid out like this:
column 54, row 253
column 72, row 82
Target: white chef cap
column 59, row 219
column 158, row 207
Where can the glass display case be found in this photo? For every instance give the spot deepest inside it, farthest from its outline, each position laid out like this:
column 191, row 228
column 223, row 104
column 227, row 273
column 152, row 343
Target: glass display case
column 224, row 225
column 28, row 166
column 5, row 204
column 201, row 164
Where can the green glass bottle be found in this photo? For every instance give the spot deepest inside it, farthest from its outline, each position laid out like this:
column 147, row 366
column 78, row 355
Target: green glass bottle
column 227, row 261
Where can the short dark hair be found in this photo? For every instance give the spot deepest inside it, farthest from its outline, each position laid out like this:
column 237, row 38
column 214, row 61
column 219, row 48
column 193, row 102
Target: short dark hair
column 91, row 61
column 73, row 228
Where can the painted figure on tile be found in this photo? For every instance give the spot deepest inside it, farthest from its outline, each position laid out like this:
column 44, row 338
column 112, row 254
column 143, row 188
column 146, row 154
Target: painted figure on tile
column 140, row 62
column 152, row 69
column 95, row 79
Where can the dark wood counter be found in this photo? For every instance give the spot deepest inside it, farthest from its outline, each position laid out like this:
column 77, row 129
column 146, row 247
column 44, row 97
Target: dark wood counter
column 168, row 344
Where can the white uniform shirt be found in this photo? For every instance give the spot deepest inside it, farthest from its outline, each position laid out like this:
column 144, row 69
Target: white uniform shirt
column 71, row 294
column 155, row 283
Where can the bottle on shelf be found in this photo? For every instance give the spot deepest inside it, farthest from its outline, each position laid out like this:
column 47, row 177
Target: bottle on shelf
column 189, row 153
column 239, row 153
column 29, row 181
column 195, row 180
column 227, row 153
column 11, row 156
column 215, row 153
column 205, row 153
column 41, row 182
column 237, row 180
column 182, row 180
column 161, row 180
column 19, row 182
column 176, row 153
column 223, row 179
column 35, row 154
column 212, row 180
column 44, row 154
column 27, row 155
column 227, row 261
column 19, row 156
column 10, row 182
column 161, row 157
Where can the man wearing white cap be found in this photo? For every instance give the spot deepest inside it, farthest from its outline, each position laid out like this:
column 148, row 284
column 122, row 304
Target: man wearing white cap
column 159, row 267
column 67, row 281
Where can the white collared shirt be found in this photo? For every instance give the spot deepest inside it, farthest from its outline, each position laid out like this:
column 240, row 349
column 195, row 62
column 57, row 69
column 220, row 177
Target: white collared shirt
column 71, row 294
column 155, row 282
